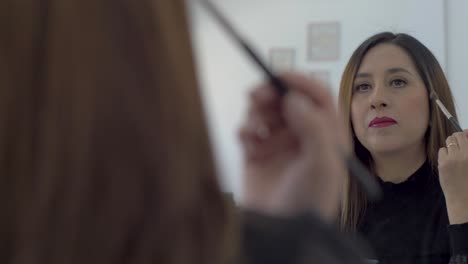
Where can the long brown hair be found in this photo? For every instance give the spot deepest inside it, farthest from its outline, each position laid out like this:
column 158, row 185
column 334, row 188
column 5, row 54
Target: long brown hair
column 439, row 129
column 104, row 153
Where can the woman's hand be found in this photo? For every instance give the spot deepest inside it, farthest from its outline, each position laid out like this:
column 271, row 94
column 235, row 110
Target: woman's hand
column 292, row 163
column 453, row 175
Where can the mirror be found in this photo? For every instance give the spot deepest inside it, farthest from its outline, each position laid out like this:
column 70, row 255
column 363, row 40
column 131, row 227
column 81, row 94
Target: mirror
column 314, row 37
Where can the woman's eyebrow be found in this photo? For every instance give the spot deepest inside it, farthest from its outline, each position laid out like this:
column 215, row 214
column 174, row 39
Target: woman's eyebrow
column 391, row 71
column 398, row 69
column 363, row 75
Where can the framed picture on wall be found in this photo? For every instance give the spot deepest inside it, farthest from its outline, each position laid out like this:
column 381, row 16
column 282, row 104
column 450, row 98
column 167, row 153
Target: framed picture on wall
column 322, row 76
column 282, row 59
column 323, row 41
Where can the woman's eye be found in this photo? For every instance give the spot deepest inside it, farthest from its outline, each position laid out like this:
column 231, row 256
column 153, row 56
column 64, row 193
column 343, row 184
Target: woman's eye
column 398, row 83
column 362, row 87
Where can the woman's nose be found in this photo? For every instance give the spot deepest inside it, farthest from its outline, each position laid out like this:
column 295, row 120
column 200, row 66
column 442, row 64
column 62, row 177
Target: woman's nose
column 378, row 98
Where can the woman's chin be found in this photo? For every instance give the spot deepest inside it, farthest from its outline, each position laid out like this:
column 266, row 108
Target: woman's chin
column 385, row 148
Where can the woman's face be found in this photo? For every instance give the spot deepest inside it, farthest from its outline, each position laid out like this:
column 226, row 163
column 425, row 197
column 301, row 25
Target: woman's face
column 390, row 105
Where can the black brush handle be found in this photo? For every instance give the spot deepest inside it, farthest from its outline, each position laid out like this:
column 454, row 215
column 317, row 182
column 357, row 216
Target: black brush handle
column 362, row 174
column 455, row 124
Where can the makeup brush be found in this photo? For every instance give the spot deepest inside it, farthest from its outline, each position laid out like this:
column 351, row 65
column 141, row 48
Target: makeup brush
column 444, row 110
column 357, row 169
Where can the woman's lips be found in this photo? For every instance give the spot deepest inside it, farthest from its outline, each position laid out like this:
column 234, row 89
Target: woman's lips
column 380, row 122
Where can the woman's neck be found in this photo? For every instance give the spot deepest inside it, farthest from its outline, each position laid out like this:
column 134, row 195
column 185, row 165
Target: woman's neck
column 398, row 167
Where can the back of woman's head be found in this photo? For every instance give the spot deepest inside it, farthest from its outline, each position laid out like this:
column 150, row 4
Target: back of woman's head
column 104, row 155
column 434, row 79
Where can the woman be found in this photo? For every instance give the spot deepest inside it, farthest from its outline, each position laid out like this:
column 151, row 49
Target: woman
column 85, row 137
column 405, row 140
column 104, row 153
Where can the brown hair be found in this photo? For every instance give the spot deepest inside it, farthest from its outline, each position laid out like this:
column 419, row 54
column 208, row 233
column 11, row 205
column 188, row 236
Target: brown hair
column 434, row 79
column 104, row 153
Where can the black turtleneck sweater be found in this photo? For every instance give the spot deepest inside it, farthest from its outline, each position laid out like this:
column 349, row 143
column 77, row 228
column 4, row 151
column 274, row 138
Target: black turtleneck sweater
column 410, row 224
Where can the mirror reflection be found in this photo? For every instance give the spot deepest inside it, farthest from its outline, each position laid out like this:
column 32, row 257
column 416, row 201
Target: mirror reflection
column 385, row 85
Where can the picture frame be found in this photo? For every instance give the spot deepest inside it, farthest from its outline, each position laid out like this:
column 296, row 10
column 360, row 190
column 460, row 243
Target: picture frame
column 323, row 41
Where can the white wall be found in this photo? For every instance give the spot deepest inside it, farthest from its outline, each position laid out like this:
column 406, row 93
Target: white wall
column 226, row 74
column 457, row 54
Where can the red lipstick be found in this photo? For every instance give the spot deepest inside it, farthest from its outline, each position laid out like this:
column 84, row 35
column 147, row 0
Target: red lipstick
column 383, row 121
